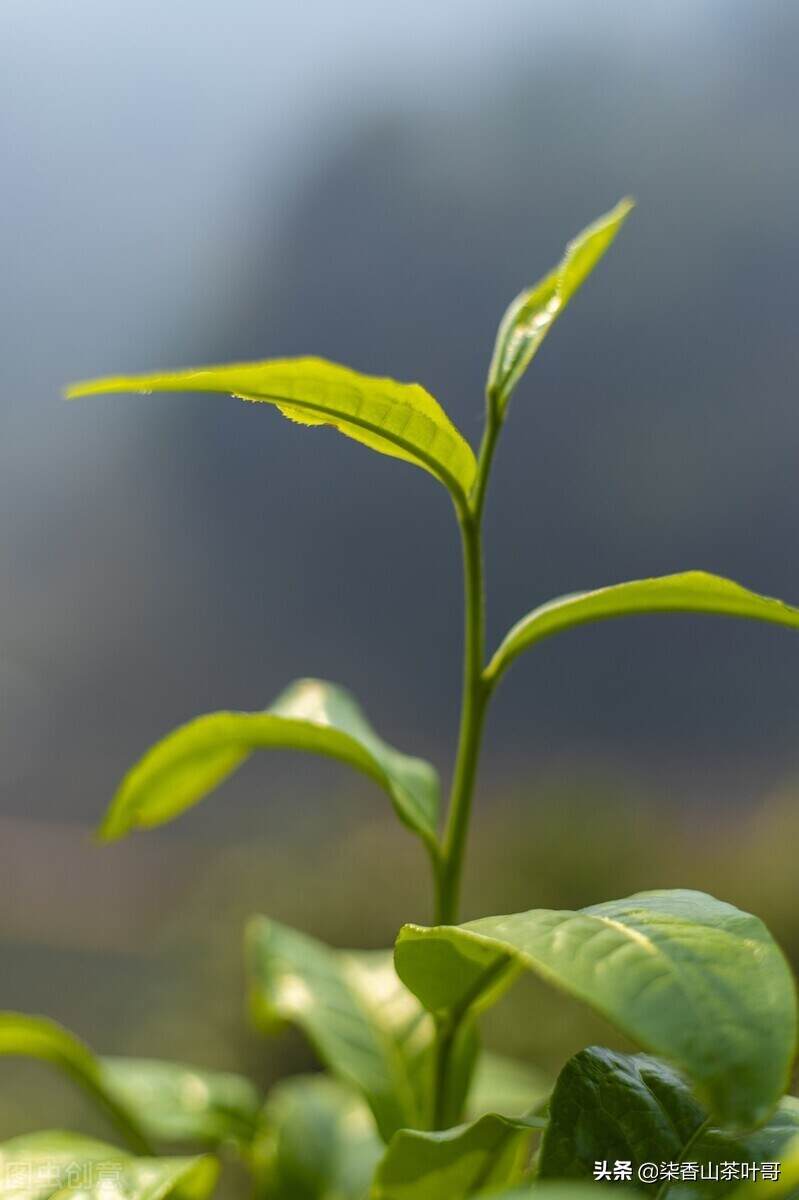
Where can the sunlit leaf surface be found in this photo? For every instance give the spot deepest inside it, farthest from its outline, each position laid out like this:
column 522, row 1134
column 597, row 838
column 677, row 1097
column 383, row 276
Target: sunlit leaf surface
column 488, row 1153
column 682, row 974
column 178, row 1103
column 401, row 420
column 39, row 1166
column 532, row 314
column 362, row 1021
column 311, row 715
column 687, row 592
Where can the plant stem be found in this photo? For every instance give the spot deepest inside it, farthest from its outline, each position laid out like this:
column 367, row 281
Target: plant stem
column 445, row 1038
column 476, row 690
column 473, row 704
column 474, row 701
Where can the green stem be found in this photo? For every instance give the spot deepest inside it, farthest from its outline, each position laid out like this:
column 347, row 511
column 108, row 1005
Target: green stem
column 476, row 691
column 474, row 701
column 473, row 704
column 445, row 1038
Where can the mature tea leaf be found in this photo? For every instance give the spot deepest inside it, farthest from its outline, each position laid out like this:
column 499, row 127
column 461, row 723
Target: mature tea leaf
column 684, row 975
column 401, row 420
column 38, row 1166
column 455, row 1163
column 318, row 1141
column 364, row 1024
column 178, row 1103
column 609, row 1107
column 687, row 592
column 37, row 1037
column 505, row 1085
column 532, row 314
column 310, row 715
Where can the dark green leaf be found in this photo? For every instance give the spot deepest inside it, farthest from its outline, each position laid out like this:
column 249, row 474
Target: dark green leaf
column 318, row 1142
column 632, row 1108
column 684, row 975
column 39, row 1166
column 455, row 1163
column 310, row 715
column 37, row 1037
column 609, row 1106
column 364, row 1024
column 532, row 314
column 687, row 592
column 177, row 1103
column 401, row 420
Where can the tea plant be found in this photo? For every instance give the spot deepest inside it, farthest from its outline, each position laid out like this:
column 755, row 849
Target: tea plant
column 409, row 1106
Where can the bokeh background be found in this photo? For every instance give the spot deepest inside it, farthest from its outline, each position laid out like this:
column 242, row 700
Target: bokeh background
column 185, row 183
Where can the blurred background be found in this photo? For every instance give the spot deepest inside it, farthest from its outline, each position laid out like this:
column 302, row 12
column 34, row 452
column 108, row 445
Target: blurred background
column 189, row 183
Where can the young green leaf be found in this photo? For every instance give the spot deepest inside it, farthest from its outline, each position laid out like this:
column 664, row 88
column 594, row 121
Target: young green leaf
column 687, row 592
column 684, row 975
column 363, row 1023
column 401, row 420
column 532, row 314
column 177, row 1103
column 505, row 1085
column 318, row 1141
column 310, row 715
column 456, row 1163
column 38, row 1166
column 631, row 1108
column 24, row 1036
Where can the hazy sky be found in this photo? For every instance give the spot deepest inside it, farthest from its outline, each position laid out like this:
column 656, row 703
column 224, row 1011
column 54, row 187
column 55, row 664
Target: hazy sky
column 171, row 171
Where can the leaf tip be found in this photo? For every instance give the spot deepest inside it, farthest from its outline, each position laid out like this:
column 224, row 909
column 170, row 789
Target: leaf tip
column 625, row 206
column 111, row 829
column 90, row 387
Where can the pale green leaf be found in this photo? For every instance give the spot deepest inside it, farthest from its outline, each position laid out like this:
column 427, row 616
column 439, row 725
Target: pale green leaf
column 364, row 1024
column 687, row 592
column 310, row 715
column 455, row 1163
column 178, row 1103
column 318, row 1141
column 38, row 1166
column 532, row 314
column 682, row 974
column 505, row 1085
column 37, row 1037
column 401, row 420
